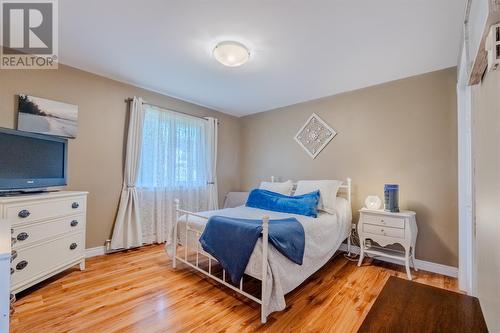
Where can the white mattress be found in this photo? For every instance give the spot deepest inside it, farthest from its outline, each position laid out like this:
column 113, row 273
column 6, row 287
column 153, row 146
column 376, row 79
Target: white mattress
column 323, row 236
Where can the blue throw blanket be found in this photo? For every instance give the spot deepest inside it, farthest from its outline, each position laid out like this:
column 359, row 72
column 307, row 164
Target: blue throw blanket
column 231, row 241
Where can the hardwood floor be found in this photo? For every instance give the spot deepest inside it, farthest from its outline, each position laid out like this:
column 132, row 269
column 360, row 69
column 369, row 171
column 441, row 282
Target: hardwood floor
column 138, row 291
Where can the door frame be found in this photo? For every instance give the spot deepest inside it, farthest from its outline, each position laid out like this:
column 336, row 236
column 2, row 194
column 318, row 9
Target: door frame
column 466, row 215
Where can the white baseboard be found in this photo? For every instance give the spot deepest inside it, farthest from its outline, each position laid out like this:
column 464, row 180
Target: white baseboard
column 420, row 264
column 95, row 251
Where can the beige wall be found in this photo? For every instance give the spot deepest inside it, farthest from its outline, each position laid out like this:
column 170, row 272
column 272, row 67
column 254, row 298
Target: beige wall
column 403, row 132
column 96, row 155
column 486, row 140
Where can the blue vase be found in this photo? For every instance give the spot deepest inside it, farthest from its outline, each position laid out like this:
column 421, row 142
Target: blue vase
column 391, row 198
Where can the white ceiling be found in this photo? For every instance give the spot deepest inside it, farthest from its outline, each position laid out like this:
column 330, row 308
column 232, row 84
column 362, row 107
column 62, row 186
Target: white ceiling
column 300, row 50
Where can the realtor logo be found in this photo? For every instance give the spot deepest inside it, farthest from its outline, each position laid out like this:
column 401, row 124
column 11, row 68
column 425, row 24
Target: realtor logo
column 29, row 34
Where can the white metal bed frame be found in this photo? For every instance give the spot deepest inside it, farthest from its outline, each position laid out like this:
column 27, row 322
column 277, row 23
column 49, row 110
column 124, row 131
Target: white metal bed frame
column 346, row 187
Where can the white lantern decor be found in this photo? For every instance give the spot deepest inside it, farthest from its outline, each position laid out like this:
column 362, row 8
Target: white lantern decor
column 373, row 202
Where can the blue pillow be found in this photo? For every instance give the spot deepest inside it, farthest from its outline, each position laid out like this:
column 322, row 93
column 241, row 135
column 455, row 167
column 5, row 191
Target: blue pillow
column 305, row 204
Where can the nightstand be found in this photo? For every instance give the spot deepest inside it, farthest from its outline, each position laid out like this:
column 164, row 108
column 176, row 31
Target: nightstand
column 386, row 228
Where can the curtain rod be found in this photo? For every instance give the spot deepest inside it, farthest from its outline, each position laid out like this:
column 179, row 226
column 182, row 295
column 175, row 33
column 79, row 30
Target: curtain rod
column 128, row 100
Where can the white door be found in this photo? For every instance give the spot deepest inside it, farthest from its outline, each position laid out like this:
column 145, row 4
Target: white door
column 486, row 144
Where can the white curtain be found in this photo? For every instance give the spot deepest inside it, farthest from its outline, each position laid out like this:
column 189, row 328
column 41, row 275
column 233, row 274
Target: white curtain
column 213, row 193
column 127, row 232
column 173, row 165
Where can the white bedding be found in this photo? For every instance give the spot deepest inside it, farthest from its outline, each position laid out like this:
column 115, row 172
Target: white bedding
column 323, row 236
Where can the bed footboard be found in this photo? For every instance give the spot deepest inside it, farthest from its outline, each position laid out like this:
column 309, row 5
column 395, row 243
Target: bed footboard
column 200, row 252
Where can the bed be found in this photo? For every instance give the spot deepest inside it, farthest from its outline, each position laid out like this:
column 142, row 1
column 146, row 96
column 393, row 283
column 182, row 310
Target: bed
column 279, row 275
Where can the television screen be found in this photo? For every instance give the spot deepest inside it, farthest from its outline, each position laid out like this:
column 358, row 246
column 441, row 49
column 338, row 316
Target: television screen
column 29, row 160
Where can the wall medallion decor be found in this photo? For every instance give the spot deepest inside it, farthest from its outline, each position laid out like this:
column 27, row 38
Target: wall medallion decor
column 314, row 135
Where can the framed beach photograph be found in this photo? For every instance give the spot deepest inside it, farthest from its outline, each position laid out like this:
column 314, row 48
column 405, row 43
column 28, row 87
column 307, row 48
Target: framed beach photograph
column 40, row 115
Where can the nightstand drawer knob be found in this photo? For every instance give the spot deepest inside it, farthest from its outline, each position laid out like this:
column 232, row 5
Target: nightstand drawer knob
column 73, row 246
column 75, row 205
column 74, row 223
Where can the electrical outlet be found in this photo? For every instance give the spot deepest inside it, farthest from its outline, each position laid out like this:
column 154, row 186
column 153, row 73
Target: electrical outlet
column 107, row 245
column 368, row 243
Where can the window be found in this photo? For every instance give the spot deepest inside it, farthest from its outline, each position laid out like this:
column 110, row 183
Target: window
column 173, row 152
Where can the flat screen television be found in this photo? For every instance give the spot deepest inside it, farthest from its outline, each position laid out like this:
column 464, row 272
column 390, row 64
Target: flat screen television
column 31, row 162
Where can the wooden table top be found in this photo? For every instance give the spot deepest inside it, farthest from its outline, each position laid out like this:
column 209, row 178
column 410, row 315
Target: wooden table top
column 405, row 306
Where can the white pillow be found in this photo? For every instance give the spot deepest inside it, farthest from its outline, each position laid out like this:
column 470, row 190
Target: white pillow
column 282, row 188
column 327, row 190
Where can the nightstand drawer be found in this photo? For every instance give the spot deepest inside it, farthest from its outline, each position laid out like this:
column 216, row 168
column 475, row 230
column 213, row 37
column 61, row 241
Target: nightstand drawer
column 383, row 231
column 388, row 221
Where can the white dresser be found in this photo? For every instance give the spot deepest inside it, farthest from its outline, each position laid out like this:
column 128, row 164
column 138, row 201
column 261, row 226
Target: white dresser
column 47, row 234
column 385, row 228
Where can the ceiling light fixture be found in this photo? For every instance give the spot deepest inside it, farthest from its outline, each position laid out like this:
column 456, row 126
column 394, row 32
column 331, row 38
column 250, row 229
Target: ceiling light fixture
column 231, row 54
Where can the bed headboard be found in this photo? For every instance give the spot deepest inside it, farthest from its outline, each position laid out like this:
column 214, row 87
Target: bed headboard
column 345, row 188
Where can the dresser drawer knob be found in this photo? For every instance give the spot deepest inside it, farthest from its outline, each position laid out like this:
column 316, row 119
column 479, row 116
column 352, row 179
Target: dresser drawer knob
column 12, row 301
column 12, row 298
column 73, row 246
column 24, row 213
column 22, row 236
column 74, row 223
column 13, row 255
column 21, row 265
column 75, row 205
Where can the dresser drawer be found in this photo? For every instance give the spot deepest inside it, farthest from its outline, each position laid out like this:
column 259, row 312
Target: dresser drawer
column 383, row 231
column 21, row 213
column 35, row 261
column 26, row 234
column 388, row 221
